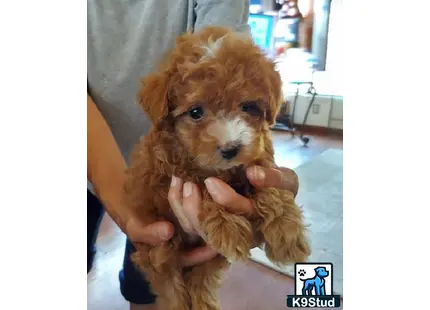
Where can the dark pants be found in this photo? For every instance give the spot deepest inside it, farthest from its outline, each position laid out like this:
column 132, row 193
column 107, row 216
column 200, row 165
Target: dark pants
column 133, row 285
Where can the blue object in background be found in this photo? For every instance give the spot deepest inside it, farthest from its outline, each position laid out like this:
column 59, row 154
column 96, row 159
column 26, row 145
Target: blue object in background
column 255, row 2
column 262, row 30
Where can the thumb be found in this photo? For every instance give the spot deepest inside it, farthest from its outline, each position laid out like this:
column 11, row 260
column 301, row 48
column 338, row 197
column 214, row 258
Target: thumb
column 153, row 234
column 281, row 178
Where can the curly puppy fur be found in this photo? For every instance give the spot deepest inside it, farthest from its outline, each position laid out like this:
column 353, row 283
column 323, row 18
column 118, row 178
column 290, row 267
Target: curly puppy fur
column 211, row 104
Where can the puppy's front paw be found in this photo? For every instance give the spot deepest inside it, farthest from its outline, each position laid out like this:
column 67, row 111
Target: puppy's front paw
column 230, row 234
column 285, row 242
column 282, row 227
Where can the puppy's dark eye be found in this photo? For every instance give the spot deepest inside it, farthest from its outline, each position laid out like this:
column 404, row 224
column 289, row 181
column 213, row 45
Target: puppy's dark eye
column 251, row 108
column 196, row 113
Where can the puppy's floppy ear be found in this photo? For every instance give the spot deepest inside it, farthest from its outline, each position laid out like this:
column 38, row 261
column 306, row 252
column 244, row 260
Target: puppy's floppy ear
column 153, row 96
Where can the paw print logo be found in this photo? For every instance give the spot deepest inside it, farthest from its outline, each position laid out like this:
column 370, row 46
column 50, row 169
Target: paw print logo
column 302, row 273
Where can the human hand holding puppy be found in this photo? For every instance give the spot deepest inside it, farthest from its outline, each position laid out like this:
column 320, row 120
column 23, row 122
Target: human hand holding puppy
column 188, row 197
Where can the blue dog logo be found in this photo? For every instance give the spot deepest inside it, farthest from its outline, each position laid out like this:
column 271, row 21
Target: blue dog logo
column 317, row 283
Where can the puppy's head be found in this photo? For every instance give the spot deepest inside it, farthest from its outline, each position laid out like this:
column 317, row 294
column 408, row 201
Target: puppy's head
column 218, row 93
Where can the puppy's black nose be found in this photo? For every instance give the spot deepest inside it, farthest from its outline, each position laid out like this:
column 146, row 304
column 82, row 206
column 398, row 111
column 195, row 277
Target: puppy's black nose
column 229, row 153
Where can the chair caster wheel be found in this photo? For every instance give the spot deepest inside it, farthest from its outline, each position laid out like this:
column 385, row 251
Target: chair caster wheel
column 305, row 140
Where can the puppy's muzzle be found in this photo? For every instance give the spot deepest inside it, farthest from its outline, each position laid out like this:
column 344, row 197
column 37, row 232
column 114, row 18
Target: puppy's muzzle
column 229, row 151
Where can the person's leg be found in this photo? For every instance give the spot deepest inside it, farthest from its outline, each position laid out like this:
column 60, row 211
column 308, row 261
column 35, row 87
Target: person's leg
column 133, row 285
column 95, row 213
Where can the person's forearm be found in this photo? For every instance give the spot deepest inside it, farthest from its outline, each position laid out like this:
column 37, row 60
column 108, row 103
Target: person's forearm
column 105, row 163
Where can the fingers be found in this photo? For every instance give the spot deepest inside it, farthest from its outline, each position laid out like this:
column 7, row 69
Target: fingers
column 198, row 256
column 226, row 196
column 175, row 199
column 153, row 234
column 191, row 203
column 282, row 178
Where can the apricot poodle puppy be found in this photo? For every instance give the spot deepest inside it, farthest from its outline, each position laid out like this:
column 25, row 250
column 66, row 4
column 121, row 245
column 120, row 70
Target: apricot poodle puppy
column 211, row 104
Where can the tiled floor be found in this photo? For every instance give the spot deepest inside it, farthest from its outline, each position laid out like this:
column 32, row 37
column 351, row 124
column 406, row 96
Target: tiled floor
column 247, row 286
